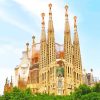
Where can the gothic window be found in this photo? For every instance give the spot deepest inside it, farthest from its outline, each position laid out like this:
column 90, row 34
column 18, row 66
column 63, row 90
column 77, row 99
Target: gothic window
column 68, row 70
column 77, row 76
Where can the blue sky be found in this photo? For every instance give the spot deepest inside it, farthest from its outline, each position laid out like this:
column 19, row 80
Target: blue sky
column 20, row 19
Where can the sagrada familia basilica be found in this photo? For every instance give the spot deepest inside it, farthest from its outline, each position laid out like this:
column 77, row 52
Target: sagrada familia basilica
column 46, row 69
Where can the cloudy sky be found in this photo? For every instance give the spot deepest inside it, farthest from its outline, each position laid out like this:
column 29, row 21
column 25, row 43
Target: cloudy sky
column 20, row 19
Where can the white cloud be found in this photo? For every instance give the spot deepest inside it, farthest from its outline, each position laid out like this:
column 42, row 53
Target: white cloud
column 9, row 19
column 36, row 7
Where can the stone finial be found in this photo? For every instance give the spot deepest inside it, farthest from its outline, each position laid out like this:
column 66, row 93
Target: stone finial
column 42, row 15
column 91, row 70
column 43, row 23
column 50, row 6
column 33, row 38
column 75, row 20
column 75, row 23
column 50, row 12
column 66, row 12
column 66, row 8
column 27, row 46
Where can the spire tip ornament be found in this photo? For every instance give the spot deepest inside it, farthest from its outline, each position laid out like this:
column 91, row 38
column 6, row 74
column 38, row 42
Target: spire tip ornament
column 66, row 12
column 50, row 6
column 75, row 23
column 50, row 12
column 42, row 15
column 27, row 44
column 75, row 20
column 43, row 23
column 33, row 37
column 66, row 7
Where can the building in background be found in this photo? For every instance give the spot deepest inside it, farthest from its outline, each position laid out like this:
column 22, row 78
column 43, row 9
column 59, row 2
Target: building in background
column 22, row 70
column 89, row 79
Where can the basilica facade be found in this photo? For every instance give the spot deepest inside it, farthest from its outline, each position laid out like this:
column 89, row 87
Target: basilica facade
column 49, row 69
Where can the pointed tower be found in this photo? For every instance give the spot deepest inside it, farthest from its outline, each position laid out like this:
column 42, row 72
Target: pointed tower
column 43, row 54
column 11, row 84
column 77, row 57
column 51, row 38
column 33, row 50
column 6, row 86
column 67, row 39
column 43, row 46
column 27, row 49
column 68, row 54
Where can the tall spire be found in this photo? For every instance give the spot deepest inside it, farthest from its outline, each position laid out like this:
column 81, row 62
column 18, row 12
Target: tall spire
column 43, row 45
column 33, row 50
column 67, row 27
column 77, row 56
column 51, row 38
column 43, row 51
column 67, row 38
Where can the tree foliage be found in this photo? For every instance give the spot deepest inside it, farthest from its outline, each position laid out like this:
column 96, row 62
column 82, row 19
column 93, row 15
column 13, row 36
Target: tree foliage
column 84, row 92
column 96, row 88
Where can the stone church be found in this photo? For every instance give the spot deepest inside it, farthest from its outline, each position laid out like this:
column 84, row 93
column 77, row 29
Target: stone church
column 46, row 69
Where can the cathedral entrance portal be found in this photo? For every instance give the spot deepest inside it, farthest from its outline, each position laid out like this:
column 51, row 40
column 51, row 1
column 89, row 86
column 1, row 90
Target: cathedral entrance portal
column 60, row 78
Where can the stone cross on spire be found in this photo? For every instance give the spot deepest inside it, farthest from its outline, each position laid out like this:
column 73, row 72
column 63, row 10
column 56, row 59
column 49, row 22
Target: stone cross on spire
column 43, row 23
column 75, row 25
column 50, row 12
column 66, row 13
column 33, row 39
column 27, row 48
column 43, row 35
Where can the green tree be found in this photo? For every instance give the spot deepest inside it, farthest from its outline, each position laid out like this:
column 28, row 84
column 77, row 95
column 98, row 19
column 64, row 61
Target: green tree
column 96, row 88
column 82, row 93
column 82, row 90
column 91, row 96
